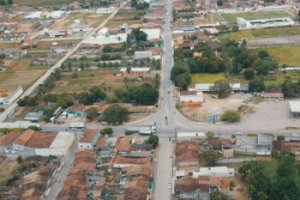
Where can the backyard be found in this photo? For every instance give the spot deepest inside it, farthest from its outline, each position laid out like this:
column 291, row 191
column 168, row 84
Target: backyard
column 231, row 17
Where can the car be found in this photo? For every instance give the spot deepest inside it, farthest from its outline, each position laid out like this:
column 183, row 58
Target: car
column 169, row 91
column 169, row 186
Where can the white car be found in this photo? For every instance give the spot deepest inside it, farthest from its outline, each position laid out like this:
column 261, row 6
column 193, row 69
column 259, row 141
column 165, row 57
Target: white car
column 169, row 186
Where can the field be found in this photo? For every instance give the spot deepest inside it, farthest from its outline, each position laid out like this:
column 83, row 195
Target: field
column 84, row 80
column 24, row 77
column 207, row 77
column 125, row 17
column 231, row 17
column 87, row 20
column 261, row 33
column 277, row 79
column 42, row 2
column 288, row 55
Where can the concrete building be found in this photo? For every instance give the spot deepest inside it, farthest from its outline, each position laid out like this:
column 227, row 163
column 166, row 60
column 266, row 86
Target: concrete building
column 9, row 94
column 222, row 171
column 199, row 87
column 269, row 96
column 264, row 23
column 191, row 97
column 136, row 70
column 295, row 108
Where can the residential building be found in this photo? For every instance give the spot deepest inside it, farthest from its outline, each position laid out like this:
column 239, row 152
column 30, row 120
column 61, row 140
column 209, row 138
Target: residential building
column 294, row 108
column 268, row 96
column 89, row 139
column 221, row 171
column 264, row 23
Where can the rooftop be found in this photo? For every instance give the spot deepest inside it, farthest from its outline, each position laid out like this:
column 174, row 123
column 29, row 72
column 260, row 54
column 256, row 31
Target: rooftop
column 35, row 139
column 123, row 144
column 89, row 135
column 294, row 106
column 8, row 138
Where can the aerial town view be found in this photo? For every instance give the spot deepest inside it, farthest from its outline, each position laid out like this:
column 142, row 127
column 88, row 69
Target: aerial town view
column 149, row 100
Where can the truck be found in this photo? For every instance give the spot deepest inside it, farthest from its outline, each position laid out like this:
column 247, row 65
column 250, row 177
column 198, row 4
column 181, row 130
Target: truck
column 143, row 130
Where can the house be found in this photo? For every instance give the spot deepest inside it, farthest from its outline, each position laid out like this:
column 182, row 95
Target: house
column 31, row 140
column 6, row 140
column 123, row 145
column 182, row 136
column 224, row 145
column 142, row 55
column 188, row 158
column 221, row 171
column 156, row 54
column 294, row 108
column 287, row 147
column 89, row 139
column 268, row 96
column 200, row 87
column 121, row 162
column 8, row 94
column 33, row 116
column 191, row 97
column 74, row 111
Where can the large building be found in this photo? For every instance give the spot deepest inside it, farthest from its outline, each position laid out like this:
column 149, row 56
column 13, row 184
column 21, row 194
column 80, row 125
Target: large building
column 295, row 108
column 264, row 23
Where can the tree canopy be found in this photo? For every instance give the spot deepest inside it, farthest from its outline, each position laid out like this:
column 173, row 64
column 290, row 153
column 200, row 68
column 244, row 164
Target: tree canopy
column 115, row 114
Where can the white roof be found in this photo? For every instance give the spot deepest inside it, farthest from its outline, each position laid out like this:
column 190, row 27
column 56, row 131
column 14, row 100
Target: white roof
column 152, row 33
column 136, row 69
column 294, row 106
column 203, row 86
column 103, row 31
column 213, row 171
column 190, row 134
column 102, row 40
column 62, row 139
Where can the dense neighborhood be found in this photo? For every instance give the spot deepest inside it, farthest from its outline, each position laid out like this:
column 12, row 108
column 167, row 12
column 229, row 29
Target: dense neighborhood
column 149, row 99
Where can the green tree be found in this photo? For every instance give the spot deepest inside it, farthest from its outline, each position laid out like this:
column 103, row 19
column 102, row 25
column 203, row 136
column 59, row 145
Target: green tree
column 153, row 139
column 211, row 157
column 20, row 159
column 91, row 113
column 136, row 36
column 249, row 73
column 221, row 88
column 280, row 137
column 290, row 89
column 106, row 131
column 183, row 80
column 217, row 195
column 115, row 114
column 107, row 49
column 256, row 85
column 230, row 116
column 210, row 134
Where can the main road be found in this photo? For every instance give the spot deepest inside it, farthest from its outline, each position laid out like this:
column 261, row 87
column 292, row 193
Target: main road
column 44, row 77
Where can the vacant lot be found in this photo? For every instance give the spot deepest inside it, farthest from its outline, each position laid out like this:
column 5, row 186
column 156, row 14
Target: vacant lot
column 76, row 82
column 288, row 55
column 90, row 20
column 231, row 17
column 261, row 33
column 42, row 2
column 125, row 17
column 207, row 77
column 275, row 80
column 24, row 77
column 6, row 168
column 213, row 106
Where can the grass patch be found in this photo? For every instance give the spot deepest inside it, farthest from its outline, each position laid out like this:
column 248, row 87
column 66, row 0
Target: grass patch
column 251, row 34
column 243, row 155
column 42, row 2
column 231, row 17
column 207, row 77
column 288, row 55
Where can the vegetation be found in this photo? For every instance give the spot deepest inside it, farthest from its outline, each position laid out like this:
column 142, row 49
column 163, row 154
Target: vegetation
column 91, row 113
column 139, row 6
column 153, row 139
column 230, row 116
column 280, row 137
column 106, row 131
column 207, row 77
column 275, row 182
column 115, row 114
column 211, row 157
column 210, row 134
column 221, row 88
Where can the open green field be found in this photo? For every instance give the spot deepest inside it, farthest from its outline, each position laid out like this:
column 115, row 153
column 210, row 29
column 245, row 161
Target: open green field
column 84, row 80
column 42, row 2
column 231, row 17
column 24, row 77
column 115, row 24
column 261, row 33
column 288, row 55
column 207, row 77
column 278, row 79
column 129, row 14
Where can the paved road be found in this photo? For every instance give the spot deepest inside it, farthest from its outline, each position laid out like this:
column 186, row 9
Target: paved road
column 164, row 170
column 68, row 162
column 44, row 77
